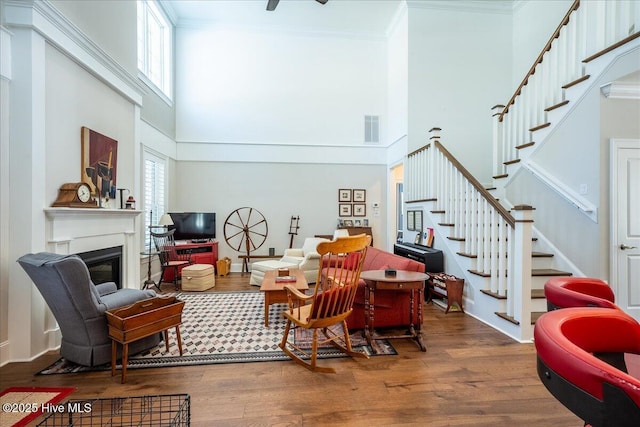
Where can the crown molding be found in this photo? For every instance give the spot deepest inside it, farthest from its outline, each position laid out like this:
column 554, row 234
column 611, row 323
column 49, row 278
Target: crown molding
column 621, row 90
column 485, row 6
column 42, row 17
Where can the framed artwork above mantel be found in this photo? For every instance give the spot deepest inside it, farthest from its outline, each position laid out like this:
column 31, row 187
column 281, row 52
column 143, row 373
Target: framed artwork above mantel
column 99, row 166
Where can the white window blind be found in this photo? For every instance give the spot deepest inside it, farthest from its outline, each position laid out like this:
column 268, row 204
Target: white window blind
column 154, row 192
column 155, row 34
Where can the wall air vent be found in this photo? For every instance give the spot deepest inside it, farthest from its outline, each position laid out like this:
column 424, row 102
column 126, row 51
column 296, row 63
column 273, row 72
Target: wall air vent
column 371, row 129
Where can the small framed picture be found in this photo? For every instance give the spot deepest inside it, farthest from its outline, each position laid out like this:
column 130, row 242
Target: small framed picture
column 365, row 222
column 418, row 220
column 359, row 196
column 358, row 223
column 411, row 225
column 348, row 223
column 344, row 209
column 418, row 239
column 344, row 195
column 359, row 209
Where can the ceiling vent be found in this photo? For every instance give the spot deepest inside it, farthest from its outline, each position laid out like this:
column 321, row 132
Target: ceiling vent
column 371, row 129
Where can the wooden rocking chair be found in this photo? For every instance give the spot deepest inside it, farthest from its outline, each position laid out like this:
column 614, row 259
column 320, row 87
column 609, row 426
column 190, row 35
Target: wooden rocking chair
column 331, row 302
column 169, row 256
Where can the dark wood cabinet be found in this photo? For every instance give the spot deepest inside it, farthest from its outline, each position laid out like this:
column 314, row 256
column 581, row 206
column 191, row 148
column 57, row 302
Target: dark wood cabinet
column 353, row 231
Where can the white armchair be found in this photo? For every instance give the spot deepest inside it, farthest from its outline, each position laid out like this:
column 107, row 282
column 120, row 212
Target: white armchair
column 305, row 258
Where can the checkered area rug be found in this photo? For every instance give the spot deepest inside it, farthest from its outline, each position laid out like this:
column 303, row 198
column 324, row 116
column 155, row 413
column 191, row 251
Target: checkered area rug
column 223, row 327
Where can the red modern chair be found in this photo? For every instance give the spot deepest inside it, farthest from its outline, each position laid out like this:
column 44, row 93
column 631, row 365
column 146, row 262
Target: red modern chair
column 563, row 292
column 572, row 345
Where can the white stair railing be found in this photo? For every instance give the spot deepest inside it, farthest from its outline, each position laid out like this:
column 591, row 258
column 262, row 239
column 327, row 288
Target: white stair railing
column 484, row 228
column 588, row 30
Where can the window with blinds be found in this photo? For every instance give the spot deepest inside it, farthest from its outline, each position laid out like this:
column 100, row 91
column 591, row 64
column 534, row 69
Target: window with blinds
column 154, row 192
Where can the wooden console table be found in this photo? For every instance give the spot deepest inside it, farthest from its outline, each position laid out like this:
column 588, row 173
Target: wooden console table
column 411, row 281
column 140, row 320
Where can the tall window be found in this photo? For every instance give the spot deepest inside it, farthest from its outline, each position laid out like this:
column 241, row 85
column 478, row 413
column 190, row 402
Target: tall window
column 155, row 56
column 154, row 192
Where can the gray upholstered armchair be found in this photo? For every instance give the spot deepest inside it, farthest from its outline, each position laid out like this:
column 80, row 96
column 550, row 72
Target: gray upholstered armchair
column 78, row 306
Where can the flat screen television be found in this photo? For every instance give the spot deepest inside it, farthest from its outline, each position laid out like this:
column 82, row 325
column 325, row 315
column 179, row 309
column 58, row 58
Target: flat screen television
column 200, row 226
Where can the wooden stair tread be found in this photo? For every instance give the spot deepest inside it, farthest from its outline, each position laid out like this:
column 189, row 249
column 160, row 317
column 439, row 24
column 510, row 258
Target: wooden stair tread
column 534, row 272
column 535, row 294
column 542, row 126
column 549, row 272
column 493, row 294
column 535, row 315
column 558, row 105
column 479, row 273
column 575, row 82
column 541, row 255
column 528, row 144
column 466, row 255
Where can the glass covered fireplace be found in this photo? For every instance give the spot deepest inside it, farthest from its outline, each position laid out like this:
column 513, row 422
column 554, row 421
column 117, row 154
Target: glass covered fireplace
column 105, row 265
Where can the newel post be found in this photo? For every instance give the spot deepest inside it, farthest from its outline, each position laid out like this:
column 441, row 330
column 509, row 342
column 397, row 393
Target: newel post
column 496, row 112
column 522, row 265
column 432, row 173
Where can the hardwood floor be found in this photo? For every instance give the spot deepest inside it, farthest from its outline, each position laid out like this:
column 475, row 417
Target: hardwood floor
column 470, row 375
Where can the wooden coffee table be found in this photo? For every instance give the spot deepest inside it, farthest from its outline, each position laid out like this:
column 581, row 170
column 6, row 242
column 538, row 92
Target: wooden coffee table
column 274, row 291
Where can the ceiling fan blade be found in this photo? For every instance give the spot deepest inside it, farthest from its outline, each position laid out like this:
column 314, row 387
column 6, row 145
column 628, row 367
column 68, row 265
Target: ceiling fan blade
column 271, row 5
column 322, row 1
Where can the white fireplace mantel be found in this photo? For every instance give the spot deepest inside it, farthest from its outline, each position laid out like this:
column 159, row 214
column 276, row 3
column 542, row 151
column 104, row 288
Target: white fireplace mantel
column 76, row 230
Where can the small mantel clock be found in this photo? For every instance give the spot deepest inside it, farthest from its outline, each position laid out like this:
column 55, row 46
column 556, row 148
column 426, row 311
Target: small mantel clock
column 75, row 195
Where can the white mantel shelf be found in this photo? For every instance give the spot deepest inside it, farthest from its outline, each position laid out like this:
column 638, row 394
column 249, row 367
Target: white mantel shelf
column 58, row 212
column 77, row 230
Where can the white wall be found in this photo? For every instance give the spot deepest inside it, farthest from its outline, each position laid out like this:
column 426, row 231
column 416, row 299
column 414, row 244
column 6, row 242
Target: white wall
column 398, row 77
column 459, row 62
column 111, row 25
column 279, row 191
column 262, row 86
column 74, row 98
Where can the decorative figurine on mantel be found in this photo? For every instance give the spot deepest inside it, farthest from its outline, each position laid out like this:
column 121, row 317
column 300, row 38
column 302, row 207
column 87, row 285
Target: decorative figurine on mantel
column 131, row 203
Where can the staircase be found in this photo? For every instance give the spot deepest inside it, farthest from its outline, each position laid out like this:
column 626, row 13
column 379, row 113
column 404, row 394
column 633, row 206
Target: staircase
column 503, row 258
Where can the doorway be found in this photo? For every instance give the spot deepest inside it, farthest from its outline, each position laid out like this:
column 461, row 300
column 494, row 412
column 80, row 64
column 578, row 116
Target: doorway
column 397, row 201
column 625, row 224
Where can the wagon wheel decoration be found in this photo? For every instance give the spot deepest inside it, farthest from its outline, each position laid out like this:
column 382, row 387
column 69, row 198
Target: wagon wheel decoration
column 245, row 229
